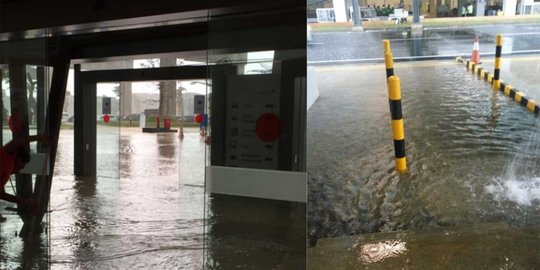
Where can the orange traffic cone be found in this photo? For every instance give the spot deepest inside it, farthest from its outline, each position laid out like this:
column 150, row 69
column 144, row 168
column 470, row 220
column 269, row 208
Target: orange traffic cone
column 475, row 57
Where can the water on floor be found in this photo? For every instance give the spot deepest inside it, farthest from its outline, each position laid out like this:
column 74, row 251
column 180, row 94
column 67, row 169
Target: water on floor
column 463, row 144
column 147, row 209
column 140, row 212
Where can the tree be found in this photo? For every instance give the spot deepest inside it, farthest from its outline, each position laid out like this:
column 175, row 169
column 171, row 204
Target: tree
column 179, row 91
column 31, row 86
column 167, row 91
column 116, row 90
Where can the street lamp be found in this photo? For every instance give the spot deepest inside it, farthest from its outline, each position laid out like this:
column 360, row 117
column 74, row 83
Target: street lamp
column 356, row 16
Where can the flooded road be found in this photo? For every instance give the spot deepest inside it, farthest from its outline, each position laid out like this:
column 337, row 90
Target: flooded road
column 461, row 143
column 140, row 212
column 348, row 47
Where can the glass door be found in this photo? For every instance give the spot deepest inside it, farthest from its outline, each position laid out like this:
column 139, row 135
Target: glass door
column 255, row 176
column 24, row 85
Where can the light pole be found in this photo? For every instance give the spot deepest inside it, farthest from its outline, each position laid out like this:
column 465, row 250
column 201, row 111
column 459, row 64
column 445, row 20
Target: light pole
column 357, row 16
column 416, row 11
column 416, row 26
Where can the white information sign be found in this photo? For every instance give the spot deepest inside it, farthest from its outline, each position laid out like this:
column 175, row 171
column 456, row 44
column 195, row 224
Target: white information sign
column 248, row 98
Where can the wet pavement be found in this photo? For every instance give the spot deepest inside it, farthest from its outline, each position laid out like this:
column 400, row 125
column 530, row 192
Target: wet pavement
column 485, row 246
column 333, row 48
column 472, row 154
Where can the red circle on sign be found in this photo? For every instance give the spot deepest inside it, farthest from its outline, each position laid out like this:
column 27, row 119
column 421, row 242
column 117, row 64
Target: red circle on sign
column 268, row 127
column 198, row 118
column 106, row 118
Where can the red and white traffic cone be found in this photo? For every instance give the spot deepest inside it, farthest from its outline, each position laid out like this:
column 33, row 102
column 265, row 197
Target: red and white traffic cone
column 181, row 135
column 475, row 57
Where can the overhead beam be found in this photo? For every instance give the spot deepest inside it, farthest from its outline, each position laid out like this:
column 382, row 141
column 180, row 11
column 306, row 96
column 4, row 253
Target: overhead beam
column 223, row 34
column 126, row 13
column 145, row 74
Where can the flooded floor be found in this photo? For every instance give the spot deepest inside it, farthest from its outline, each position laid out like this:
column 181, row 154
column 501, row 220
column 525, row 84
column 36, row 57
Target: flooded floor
column 472, row 154
column 139, row 212
column 147, row 209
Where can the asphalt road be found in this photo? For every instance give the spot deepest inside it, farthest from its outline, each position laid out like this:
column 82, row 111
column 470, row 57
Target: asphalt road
column 331, row 48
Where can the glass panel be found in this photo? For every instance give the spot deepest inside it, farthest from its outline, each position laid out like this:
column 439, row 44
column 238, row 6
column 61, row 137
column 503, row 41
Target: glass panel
column 144, row 207
column 24, row 85
column 255, row 181
column 108, row 131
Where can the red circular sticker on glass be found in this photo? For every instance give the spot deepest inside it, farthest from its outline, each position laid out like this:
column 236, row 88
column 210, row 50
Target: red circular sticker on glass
column 268, row 127
column 198, row 118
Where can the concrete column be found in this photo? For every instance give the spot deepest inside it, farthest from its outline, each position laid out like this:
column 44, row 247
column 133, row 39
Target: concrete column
column 416, row 27
column 167, row 92
column 433, row 8
column 357, row 17
column 416, row 11
column 480, row 7
column 509, row 7
column 85, row 126
column 424, row 7
column 340, row 10
column 126, row 95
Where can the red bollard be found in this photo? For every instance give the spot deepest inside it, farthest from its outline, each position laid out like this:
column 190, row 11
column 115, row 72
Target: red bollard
column 167, row 122
column 157, row 120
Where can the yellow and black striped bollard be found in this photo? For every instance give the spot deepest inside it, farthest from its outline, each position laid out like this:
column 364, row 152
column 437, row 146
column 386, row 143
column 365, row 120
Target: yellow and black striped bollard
column 497, row 72
column 388, row 59
column 394, row 96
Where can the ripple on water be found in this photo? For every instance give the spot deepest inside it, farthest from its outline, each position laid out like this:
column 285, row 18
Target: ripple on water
column 460, row 135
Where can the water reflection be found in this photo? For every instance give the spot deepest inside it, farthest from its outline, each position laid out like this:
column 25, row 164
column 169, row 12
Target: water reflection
column 431, row 42
column 167, row 152
column 416, row 48
column 495, row 110
column 376, row 252
column 249, row 233
column 85, row 216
